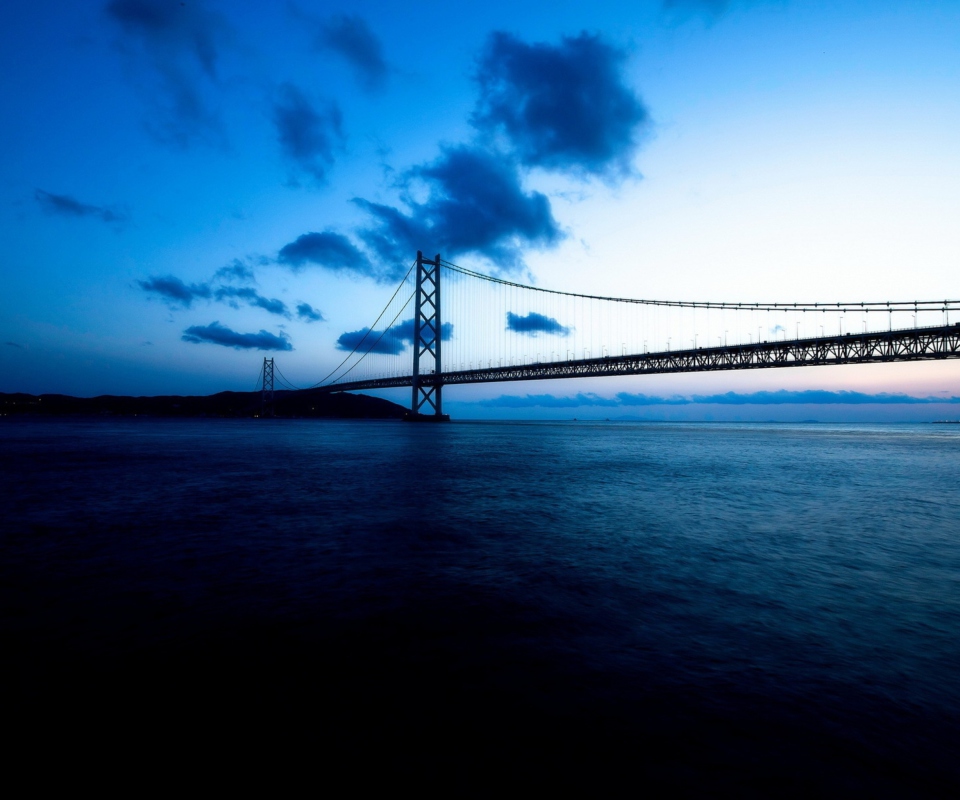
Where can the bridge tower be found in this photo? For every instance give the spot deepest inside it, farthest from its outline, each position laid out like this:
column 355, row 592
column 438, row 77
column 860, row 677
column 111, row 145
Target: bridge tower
column 266, row 393
column 427, row 400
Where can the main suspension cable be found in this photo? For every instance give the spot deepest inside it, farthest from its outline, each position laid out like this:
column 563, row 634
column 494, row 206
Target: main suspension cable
column 365, row 335
column 861, row 306
column 382, row 334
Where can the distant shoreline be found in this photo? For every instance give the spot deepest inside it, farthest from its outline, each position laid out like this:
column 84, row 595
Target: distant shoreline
column 287, row 404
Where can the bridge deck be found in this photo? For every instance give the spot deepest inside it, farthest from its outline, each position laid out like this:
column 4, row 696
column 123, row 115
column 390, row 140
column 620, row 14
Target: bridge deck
column 911, row 344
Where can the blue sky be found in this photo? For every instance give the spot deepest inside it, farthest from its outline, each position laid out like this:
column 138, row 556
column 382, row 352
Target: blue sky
column 189, row 186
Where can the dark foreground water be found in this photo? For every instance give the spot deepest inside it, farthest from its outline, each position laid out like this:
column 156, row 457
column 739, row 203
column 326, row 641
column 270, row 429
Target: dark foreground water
column 762, row 609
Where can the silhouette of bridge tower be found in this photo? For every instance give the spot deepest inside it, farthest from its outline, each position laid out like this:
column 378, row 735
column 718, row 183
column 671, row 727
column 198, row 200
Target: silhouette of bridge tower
column 427, row 343
column 266, row 391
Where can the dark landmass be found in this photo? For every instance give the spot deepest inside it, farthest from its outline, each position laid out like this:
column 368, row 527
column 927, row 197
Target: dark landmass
column 305, row 403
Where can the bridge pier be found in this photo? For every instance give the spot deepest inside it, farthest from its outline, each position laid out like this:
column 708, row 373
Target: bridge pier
column 427, row 396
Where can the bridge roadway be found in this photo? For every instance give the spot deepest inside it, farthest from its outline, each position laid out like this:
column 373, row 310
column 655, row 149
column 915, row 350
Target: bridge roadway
column 911, row 344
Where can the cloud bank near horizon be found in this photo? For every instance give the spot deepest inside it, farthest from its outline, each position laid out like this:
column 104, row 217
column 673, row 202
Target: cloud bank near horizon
column 782, row 397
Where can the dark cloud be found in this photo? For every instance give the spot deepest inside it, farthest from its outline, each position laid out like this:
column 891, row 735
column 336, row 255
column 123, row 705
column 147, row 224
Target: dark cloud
column 308, row 313
column 308, row 135
column 236, row 270
column 215, row 333
column 14, row 344
column 404, row 331
column 174, row 291
column 534, row 323
column 252, row 298
column 180, row 43
column 369, row 343
column 475, row 204
column 393, row 341
column 351, row 38
column 177, row 293
column 67, row 206
column 332, row 251
column 560, row 106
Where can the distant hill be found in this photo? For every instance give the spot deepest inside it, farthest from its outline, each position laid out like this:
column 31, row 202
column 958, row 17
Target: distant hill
column 305, row 403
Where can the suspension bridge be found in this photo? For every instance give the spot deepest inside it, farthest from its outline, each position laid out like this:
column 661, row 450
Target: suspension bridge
column 490, row 330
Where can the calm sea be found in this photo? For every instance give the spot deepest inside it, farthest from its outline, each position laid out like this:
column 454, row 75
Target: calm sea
column 748, row 608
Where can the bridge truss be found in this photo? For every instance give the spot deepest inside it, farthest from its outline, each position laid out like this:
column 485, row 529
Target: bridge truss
column 503, row 331
column 923, row 344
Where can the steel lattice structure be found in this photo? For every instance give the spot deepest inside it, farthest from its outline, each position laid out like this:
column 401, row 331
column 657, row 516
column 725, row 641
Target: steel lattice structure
column 914, row 344
column 390, row 333
column 266, row 393
column 427, row 340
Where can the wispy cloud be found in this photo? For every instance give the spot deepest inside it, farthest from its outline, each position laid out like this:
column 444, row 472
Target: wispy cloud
column 236, row 270
column 178, row 294
column 174, row 291
column 711, row 9
column 350, row 37
column 215, row 333
column 178, row 43
column 66, row 206
column 252, row 298
column 309, row 133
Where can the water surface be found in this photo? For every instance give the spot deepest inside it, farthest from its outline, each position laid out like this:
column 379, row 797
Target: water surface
column 725, row 607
